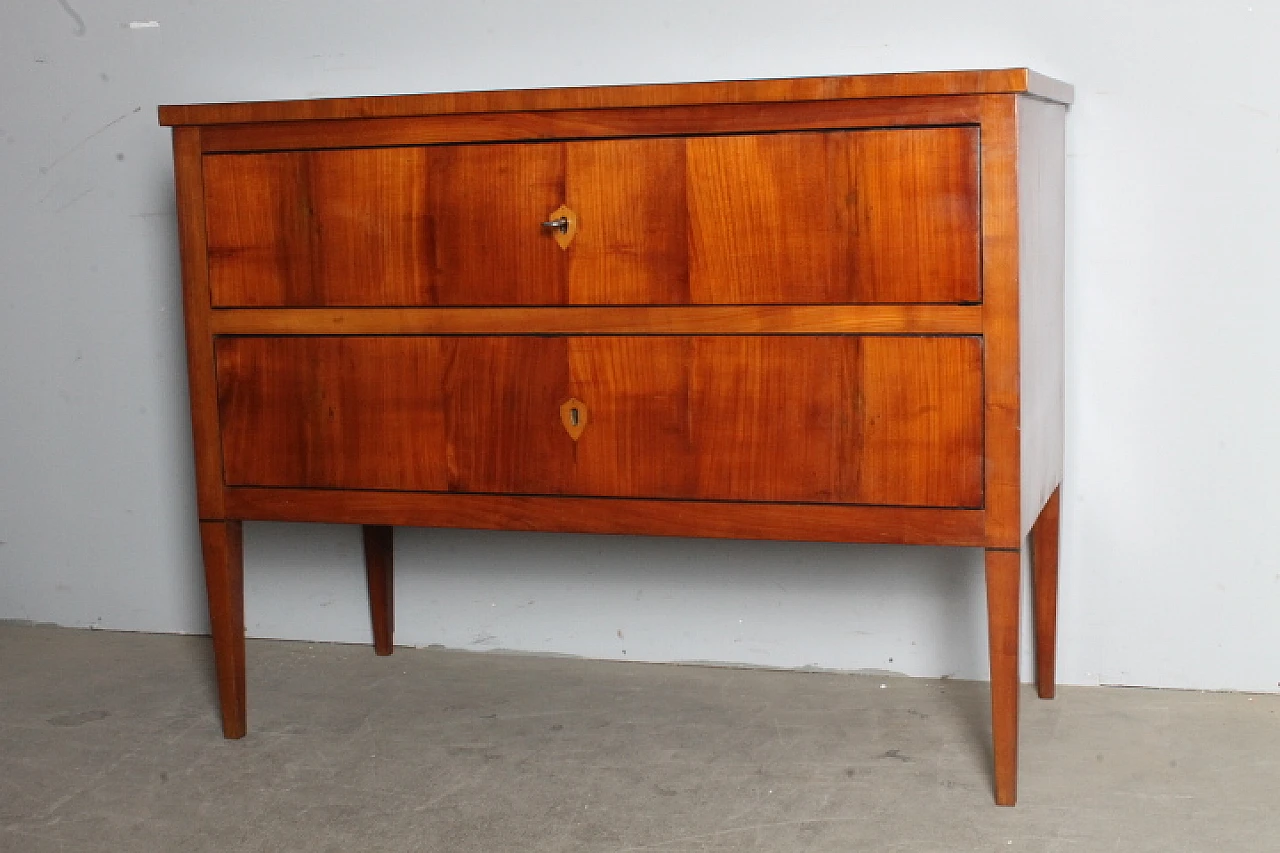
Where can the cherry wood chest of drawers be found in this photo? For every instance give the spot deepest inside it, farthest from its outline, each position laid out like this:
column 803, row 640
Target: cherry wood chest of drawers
column 811, row 309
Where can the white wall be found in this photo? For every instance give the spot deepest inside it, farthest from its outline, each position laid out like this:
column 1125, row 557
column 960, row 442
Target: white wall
column 1170, row 569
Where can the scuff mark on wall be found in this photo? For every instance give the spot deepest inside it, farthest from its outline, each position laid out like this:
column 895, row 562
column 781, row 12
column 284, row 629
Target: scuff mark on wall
column 65, row 205
column 80, row 29
column 44, row 170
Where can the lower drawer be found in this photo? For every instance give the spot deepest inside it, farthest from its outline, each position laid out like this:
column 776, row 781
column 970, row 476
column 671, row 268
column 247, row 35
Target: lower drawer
column 893, row 420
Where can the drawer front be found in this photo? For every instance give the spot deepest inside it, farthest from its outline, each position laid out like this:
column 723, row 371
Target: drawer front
column 787, row 218
column 893, row 420
column 323, row 228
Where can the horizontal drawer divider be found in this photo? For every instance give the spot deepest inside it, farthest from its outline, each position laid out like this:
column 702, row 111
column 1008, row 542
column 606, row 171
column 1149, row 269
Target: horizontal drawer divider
column 674, row 320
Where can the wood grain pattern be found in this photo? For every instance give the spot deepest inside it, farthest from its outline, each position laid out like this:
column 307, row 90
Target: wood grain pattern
column 1004, row 573
column 386, row 226
column 632, row 245
column 590, row 124
column 768, row 219
column 223, row 549
column 487, row 203
column 891, row 420
column 1044, row 572
column 863, row 216
column 1000, row 266
column 1001, row 81
column 675, row 320
column 896, row 407
column 318, row 227
column 823, row 309
column 201, row 382
column 840, row 217
column 916, row 231
column 378, row 563
column 788, row 522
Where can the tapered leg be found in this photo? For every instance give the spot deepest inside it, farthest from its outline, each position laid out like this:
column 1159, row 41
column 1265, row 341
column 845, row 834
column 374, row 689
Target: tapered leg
column 377, row 564
column 1004, row 571
column 224, row 579
column 1044, row 571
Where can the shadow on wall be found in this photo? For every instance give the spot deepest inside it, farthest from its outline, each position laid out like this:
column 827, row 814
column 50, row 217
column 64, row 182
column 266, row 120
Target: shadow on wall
column 911, row 610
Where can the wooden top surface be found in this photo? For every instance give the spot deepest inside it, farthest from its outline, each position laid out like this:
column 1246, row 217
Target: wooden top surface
column 1004, row 81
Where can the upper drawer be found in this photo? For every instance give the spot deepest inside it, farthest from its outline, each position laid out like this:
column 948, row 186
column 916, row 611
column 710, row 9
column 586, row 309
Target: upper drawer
column 808, row 217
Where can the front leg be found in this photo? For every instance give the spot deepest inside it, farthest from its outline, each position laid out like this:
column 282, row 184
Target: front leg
column 222, row 544
column 1004, row 573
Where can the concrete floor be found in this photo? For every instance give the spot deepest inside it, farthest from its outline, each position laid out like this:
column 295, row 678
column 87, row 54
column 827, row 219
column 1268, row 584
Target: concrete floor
column 110, row 741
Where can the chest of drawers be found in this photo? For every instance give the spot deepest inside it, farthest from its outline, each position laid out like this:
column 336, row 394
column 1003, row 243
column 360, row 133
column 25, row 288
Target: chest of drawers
column 812, row 309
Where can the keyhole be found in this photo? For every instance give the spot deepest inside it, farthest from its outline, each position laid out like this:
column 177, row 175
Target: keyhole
column 574, row 415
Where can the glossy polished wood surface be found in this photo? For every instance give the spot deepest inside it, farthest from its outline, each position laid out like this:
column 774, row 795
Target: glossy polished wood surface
column 1004, row 603
column 860, row 216
column 629, row 123
column 378, row 565
column 707, row 519
column 1044, row 580
column 839, row 419
column 630, row 319
column 488, row 246
column 317, row 227
column 1012, row 81
column 632, row 246
column 1000, row 332
column 826, row 217
column 222, row 544
column 826, row 309
column 189, row 184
